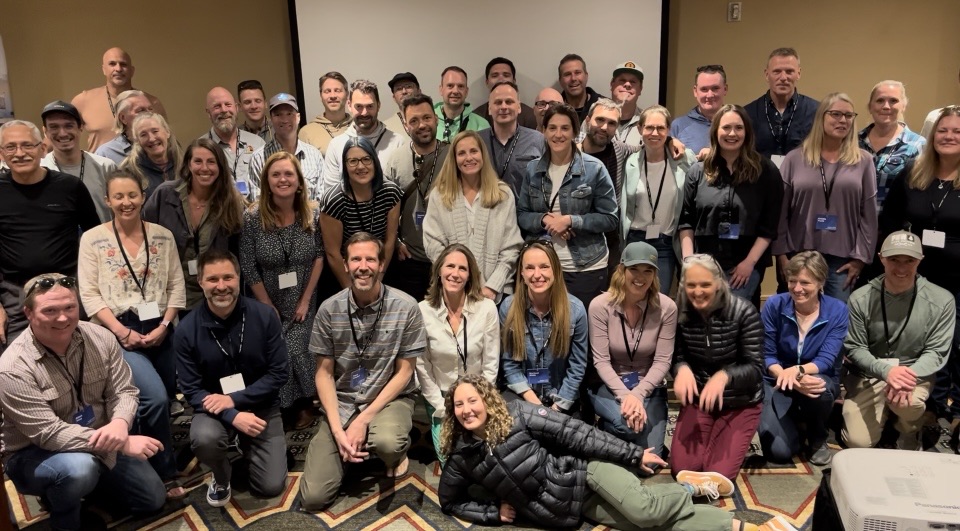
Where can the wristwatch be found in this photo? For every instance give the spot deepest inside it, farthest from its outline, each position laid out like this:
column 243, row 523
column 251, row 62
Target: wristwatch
column 801, row 373
column 165, row 323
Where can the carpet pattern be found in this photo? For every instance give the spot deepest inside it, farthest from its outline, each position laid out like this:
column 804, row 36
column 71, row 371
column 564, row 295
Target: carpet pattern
column 370, row 501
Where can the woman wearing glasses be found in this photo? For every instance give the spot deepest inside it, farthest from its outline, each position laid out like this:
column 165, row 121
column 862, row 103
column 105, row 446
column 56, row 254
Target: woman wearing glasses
column 926, row 195
column 131, row 283
column 653, row 192
column 471, row 206
column 156, row 155
column 365, row 202
column 568, row 198
column 544, row 353
column 829, row 197
column 731, row 202
column 718, row 373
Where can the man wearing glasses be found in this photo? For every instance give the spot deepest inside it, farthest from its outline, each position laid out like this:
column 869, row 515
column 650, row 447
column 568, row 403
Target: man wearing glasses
column 68, row 405
column 253, row 100
column 42, row 213
column 709, row 89
column 547, row 96
column 403, row 85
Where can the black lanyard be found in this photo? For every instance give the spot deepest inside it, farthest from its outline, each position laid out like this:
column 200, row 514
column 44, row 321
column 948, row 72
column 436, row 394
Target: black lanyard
column 284, row 242
column 663, row 178
column 462, row 352
column 513, row 145
column 447, row 122
column 356, row 205
column 142, row 286
column 540, row 351
column 231, row 357
column 828, row 190
column 236, row 160
column 626, row 343
column 551, row 203
column 353, row 331
column 935, row 207
column 83, row 165
column 113, row 108
column 76, row 382
column 780, row 136
column 883, row 309
column 416, row 170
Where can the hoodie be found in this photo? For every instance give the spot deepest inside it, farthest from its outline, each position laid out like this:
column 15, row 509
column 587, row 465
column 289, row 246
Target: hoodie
column 321, row 131
column 467, row 121
column 693, row 130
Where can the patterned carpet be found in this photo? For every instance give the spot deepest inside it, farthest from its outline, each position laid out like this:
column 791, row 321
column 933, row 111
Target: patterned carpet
column 373, row 502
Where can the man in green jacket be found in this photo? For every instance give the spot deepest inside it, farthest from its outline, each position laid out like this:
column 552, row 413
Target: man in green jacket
column 454, row 113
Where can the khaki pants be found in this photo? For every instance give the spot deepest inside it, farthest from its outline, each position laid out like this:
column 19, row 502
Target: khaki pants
column 865, row 411
column 388, row 436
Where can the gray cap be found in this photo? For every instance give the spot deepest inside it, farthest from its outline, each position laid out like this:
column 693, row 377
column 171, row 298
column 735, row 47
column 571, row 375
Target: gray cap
column 638, row 253
column 283, row 99
column 902, row 243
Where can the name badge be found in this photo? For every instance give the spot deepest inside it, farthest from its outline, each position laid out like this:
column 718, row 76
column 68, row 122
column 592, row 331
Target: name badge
column 826, row 222
column 357, row 378
column 288, row 280
column 148, row 310
column 232, row 383
column 243, row 188
column 777, row 160
column 934, row 238
column 728, row 231
column 630, row 379
column 538, row 376
column 653, row 232
column 84, row 417
column 418, row 218
column 192, row 267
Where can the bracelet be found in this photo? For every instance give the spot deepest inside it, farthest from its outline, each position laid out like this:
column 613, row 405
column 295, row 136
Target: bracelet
column 126, row 337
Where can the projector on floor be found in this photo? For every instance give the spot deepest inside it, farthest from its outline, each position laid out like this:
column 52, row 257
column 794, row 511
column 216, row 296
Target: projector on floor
column 896, row 490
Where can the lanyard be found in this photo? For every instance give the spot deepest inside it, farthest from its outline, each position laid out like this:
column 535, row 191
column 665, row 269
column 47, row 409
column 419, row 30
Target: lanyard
column 236, row 159
column 513, row 145
column 447, row 122
column 828, row 191
column 417, row 167
column 142, row 286
column 356, row 205
column 646, row 176
column 83, row 164
column 285, row 241
column 462, row 352
column 353, row 331
column 113, row 108
column 636, row 344
column 883, row 309
column 243, row 327
column 935, row 207
column 540, row 351
column 76, row 382
column 781, row 135
column 551, row 204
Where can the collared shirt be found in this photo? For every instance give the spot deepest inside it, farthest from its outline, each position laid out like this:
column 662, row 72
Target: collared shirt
column 891, row 159
column 40, row 399
column 265, row 132
column 512, row 168
column 238, row 159
column 311, row 164
column 400, row 169
column 116, row 149
column 397, row 334
column 628, row 131
column 778, row 133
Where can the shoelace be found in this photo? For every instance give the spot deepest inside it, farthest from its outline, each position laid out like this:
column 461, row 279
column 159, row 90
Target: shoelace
column 710, row 489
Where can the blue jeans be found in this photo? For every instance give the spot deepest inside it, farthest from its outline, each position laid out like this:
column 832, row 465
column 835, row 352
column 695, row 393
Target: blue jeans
column 163, row 357
column 666, row 257
column 746, row 292
column 654, row 432
column 833, row 287
column 153, row 414
column 780, row 439
column 947, row 384
column 62, row 479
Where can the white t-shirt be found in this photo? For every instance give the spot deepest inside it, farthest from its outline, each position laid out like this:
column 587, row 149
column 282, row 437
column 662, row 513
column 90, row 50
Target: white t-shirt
column 642, row 214
column 95, row 171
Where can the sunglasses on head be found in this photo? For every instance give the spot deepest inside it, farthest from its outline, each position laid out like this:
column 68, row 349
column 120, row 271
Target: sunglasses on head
column 710, row 69
column 46, row 283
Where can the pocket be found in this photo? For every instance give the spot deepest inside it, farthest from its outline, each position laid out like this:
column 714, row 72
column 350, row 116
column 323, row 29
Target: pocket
column 581, row 199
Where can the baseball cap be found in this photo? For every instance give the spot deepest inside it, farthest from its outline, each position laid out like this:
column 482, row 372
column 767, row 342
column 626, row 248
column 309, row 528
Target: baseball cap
column 283, row 99
column 628, row 66
column 638, row 253
column 403, row 76
column 61, row 106
column 902, row 243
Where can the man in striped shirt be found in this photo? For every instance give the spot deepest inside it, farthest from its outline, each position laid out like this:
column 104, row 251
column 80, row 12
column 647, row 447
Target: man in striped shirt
column 367, row 338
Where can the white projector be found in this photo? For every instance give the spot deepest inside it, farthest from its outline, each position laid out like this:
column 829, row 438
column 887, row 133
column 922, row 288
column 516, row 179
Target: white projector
column 896, row 490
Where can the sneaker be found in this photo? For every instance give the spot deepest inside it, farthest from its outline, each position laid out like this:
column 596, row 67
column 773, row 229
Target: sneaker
column 710, row 484
column 822, row 456
column 218, row 495
column 176, row 408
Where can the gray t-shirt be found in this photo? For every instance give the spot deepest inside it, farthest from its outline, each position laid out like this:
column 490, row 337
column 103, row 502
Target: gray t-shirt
column 400, row 169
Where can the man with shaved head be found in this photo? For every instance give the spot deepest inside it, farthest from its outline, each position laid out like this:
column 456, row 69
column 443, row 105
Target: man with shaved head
column 237, row 145
column 544, row 99
column 98, row 105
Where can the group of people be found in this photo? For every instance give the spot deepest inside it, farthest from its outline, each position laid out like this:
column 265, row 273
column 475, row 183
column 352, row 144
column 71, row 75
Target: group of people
column 510, row 266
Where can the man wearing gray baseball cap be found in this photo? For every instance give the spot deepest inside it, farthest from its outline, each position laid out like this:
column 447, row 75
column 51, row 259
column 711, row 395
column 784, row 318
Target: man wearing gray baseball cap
column 900, row 332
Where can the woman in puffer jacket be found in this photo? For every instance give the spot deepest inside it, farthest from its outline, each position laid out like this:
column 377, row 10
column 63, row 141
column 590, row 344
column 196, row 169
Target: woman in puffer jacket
column 719, row 357
column 552, row 470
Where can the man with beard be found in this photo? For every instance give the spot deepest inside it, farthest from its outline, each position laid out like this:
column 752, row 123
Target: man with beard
column 367, row 339
column 252, row 102
column 414, row 171
column 232, row 361
column 98, row 105
column 547, row 96
column 710, row 89
column 511, row 145
column 626, row 85
column 498, row 70
column 237, row 145
column 335, row 118
column 62, row 125
column 129, row 104
column 40, row 212
column 365, row 103
column 454, row 112
column 284, row 119
column 403, row 85
column 573, row 79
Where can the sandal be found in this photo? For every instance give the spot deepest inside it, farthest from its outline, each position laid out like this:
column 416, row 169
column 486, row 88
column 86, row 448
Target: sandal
column 401, row 471
column 175, row 490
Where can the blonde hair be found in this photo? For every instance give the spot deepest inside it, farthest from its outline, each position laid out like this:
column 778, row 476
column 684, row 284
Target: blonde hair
column 474, row 285
column 618, row 292
column 812, row 145
column 447, row 184
column 515, row 324
column 813, row 262
column 927, row 166
column 499, row 419
column 302, row 206
column 903, row 95
column 174, row 154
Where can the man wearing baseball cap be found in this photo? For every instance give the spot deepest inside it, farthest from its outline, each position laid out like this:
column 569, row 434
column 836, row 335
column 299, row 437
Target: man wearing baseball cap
column 625, row 88
column 900, row 332
column 284, row 118
column 62, row 125
column 401, row 86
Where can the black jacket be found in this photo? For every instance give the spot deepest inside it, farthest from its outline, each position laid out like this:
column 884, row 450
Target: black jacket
column 540, row 469
column 730, row 339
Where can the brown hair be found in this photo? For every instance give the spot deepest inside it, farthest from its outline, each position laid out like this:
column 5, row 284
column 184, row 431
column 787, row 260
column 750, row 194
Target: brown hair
column 302, row 206
column 474, row 286
column 747, row 167
column 226, row 204
column 499, row 419
column 515, row 324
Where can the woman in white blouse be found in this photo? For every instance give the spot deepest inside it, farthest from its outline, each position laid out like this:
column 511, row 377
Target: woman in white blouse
column 463, row 331
column 131, row 283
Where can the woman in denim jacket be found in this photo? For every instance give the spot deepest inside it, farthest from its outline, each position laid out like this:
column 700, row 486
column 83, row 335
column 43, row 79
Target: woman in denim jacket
column 568, row 198
column 544, row 333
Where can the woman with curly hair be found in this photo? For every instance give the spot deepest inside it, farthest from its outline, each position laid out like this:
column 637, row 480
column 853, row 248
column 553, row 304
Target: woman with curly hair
column 553, row 470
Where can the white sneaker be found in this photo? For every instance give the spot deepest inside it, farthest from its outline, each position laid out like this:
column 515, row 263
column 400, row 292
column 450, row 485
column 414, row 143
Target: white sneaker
column 218, row 495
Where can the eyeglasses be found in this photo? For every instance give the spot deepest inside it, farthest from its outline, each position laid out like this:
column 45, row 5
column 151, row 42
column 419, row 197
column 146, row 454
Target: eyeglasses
column 46, row 283
column 710, row 69
column 366, row 161
column 543, row 104
column 11, row 149
column 837, row 115
column 654, row 128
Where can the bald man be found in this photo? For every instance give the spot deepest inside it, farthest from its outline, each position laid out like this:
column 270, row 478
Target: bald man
column 544, row 99
column 238, row 145
column 98, row 105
